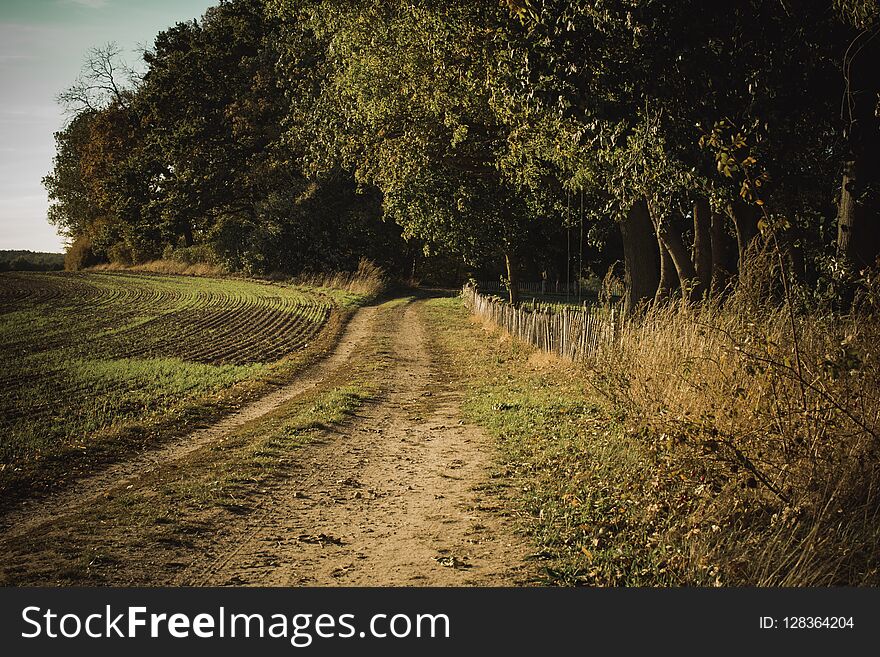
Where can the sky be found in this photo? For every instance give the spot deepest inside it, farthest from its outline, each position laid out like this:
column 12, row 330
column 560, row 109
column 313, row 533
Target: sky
column 42, row 46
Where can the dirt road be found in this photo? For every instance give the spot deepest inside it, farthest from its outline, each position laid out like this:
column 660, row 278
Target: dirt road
column 398, row 495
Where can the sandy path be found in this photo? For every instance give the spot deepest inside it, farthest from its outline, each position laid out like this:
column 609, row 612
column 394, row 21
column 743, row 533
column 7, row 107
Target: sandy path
column 397, row 498
column 86, row 491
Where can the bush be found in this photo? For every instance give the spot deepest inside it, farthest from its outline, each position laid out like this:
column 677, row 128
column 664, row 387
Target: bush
column 80, row 255
column 120, row 254
column 192, row 255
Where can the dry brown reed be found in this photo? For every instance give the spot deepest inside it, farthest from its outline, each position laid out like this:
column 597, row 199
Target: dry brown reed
column 773, row 417
column 762, row 422
column 368, row 279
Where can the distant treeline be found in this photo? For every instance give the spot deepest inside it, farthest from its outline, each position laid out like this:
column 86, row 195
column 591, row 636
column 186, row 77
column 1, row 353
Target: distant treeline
column 545, row 139
column 30, row 261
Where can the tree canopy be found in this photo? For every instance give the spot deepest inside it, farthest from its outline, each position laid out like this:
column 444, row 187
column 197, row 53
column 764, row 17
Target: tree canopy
column 305, row 134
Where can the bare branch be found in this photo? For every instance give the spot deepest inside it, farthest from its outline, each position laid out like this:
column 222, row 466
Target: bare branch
column 104, row 79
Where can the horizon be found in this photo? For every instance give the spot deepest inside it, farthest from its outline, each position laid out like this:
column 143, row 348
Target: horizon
column 42, row 46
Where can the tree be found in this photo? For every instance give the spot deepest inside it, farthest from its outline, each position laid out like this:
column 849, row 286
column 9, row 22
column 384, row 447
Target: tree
column 412, row 101
column 90, row 145
column 211, row 107
column 192, row 156
column 641, row 82
column 105, row 78
column 859, row 206
column 273, row 135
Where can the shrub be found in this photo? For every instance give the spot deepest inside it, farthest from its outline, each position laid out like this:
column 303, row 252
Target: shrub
column 80, row 254
column 192, row 255
column 120, row 254
column 773, row 420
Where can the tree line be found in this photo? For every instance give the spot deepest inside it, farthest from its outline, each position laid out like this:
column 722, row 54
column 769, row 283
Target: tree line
column 12, row 260
column 677, row 136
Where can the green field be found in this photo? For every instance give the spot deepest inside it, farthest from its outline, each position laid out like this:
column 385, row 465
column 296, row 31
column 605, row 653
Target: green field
column 84, row 354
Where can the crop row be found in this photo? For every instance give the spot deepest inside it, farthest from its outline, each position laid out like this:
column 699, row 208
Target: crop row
column 115, row 315
column 83, row 351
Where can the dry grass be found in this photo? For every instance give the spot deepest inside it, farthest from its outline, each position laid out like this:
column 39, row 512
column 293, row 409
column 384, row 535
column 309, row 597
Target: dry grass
column 165, row 267
column 542, row 360
column 368, row 280
column 772, row 422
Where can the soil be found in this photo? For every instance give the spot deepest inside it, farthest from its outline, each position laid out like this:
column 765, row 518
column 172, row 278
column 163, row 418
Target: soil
column 401, row 494
column 89, row 489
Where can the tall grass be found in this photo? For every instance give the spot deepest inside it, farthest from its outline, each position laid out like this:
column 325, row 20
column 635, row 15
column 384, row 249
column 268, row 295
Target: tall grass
column 772, row 418
column 368, row 280
column 165, row 267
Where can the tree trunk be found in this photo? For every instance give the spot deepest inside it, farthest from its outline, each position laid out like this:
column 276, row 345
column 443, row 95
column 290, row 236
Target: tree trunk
column 858, row 227
column 187, row 234
column 684, row 266
column 703, row 244
column 668, row 276
column 639, row 256
column 745, row 220
column 512, row 277
column 721, row 267
column 681, row 259
column 846, row 211
column 858, row 223
column 687, row 274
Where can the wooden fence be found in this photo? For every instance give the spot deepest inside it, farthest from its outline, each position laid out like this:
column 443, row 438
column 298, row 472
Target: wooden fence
column 575, row 334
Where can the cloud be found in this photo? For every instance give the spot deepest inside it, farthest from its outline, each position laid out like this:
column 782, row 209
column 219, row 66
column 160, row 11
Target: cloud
column 91, row 4
column 27, row 112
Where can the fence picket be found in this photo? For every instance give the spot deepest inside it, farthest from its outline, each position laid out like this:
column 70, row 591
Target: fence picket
column 575, row 334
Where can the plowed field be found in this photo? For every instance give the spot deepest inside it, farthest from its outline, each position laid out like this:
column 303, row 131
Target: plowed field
column 80, row 353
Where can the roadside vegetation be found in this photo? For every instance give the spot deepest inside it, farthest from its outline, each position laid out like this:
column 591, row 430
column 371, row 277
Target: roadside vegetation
column 692, row 453
column 770, row 415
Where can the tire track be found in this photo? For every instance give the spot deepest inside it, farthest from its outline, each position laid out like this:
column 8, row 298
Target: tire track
column 397, row 497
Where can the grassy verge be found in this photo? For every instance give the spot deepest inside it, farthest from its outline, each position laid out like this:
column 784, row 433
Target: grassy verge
column 592, row 496
column 708, row 447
